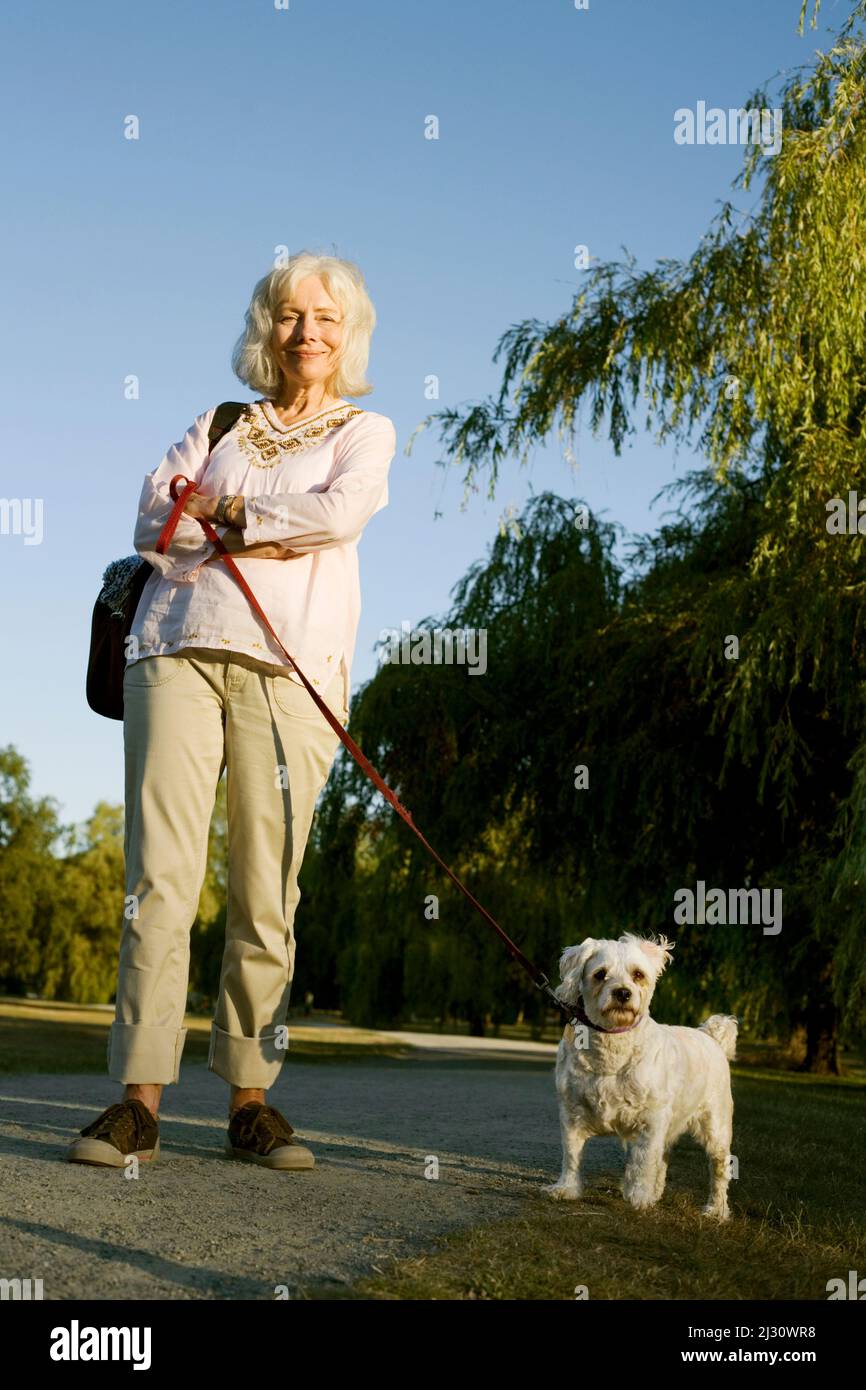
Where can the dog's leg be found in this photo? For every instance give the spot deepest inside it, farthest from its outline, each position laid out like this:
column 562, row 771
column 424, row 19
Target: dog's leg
column 662, row 1174
column 645, row 1167
column 574, row 1136
column 715, row 1136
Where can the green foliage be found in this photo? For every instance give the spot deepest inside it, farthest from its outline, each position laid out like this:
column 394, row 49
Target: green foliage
column 61, row 894
column 754, row 350
column 62, row 897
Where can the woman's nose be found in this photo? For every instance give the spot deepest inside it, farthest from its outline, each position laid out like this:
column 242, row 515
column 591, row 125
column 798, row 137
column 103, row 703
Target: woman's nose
column 305, row 329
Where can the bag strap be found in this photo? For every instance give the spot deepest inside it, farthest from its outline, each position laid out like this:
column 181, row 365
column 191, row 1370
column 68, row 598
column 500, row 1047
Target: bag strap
column 539, row 979
column 225, row 418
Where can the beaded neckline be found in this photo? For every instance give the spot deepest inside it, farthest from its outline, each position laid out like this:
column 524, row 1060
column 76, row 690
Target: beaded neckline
column 267, row 409
column 265, row 443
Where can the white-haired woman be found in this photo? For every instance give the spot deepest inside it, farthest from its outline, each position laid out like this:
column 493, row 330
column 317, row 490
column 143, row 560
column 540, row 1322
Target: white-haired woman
column 289, row 489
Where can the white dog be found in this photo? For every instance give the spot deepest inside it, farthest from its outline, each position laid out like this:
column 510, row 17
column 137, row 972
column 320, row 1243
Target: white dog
column 622, row 1073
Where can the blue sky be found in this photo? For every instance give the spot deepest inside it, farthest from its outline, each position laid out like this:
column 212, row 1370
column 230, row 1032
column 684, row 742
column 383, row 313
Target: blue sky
column 305, row 127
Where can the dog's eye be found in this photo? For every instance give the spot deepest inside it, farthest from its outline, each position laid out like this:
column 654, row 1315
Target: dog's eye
column 638, row 976
column 599, row 975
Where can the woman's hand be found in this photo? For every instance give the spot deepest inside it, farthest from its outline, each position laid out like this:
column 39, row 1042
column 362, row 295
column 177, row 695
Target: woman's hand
column 259, row 550
column 205, row 507
column 198, row 506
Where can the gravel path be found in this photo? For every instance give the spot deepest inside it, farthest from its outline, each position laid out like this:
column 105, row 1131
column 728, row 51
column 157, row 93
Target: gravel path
column 199, row 1225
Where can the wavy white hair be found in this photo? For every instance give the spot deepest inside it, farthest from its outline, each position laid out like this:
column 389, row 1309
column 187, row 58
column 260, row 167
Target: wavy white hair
column 252, row 359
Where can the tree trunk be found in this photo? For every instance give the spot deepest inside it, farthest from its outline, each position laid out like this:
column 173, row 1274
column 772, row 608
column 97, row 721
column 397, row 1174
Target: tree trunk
column 822, row 1022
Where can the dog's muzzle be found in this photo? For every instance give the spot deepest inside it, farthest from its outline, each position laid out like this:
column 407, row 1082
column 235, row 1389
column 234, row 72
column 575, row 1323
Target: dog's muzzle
column 583, row 1018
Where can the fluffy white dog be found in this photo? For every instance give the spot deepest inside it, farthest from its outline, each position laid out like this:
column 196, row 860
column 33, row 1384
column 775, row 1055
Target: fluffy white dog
column 622, row 1073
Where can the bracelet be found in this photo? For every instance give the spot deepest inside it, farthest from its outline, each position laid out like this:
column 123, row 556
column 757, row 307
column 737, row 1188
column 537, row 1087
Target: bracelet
column 223, row 509
column 231, row 508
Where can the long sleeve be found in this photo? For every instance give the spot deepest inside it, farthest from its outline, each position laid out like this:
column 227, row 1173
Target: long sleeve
column 318, row 520
column 189, row 547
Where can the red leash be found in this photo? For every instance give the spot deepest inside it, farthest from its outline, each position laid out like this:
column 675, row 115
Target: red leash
column 537, row 976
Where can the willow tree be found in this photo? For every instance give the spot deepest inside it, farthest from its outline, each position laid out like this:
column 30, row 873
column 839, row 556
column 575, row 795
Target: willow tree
column 480, row 776
column 753, row 350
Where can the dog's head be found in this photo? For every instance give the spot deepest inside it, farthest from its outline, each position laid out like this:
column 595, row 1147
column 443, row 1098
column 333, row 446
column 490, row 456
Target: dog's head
column 615, row 979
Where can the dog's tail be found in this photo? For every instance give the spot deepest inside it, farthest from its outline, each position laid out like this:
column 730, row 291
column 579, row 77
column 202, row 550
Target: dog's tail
column 722, row 1028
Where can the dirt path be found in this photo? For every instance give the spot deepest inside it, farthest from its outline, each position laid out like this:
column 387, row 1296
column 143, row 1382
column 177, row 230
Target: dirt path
column 198, row 1225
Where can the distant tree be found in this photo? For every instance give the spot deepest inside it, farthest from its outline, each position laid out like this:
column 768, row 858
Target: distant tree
column 29, row 831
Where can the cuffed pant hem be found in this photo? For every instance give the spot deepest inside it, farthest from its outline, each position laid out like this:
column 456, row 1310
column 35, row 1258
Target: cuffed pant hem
column 139, row 1054
column 252, row 1063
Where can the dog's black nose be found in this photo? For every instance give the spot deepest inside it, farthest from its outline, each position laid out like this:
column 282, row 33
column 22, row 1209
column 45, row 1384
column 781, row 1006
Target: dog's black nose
column 622, row 996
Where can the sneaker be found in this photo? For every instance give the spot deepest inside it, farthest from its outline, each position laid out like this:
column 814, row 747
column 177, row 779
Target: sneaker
column 123, row 1129
column 260, row 1134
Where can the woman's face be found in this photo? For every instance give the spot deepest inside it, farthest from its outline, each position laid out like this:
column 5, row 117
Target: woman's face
column 307, row 333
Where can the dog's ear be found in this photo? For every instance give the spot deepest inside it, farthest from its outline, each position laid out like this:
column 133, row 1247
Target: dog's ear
column 659, row 952
column 574, row 958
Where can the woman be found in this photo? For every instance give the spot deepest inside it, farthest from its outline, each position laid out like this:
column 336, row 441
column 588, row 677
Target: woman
column 290, row 487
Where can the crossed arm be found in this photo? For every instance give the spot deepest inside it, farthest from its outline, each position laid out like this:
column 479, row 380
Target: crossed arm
column 232, row 539
column 290, row 524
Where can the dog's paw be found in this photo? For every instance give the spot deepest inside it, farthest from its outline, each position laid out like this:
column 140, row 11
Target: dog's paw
column 720, row 1213
column 563, row 1192
column 641, row 1198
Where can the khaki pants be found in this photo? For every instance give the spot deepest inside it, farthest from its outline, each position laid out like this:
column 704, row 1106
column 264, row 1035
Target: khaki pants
column 187, row 716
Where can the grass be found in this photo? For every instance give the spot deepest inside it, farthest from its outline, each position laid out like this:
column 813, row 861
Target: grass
column 798, row 1219
column 666, row 1254
column 41, row 1036
column 798, row 1202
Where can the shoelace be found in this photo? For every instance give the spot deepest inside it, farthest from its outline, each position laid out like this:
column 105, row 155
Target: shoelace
column 118, row 1121
column 265, row 1124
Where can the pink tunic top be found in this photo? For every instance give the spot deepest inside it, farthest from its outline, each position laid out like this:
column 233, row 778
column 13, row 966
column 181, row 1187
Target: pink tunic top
column 312, row 486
